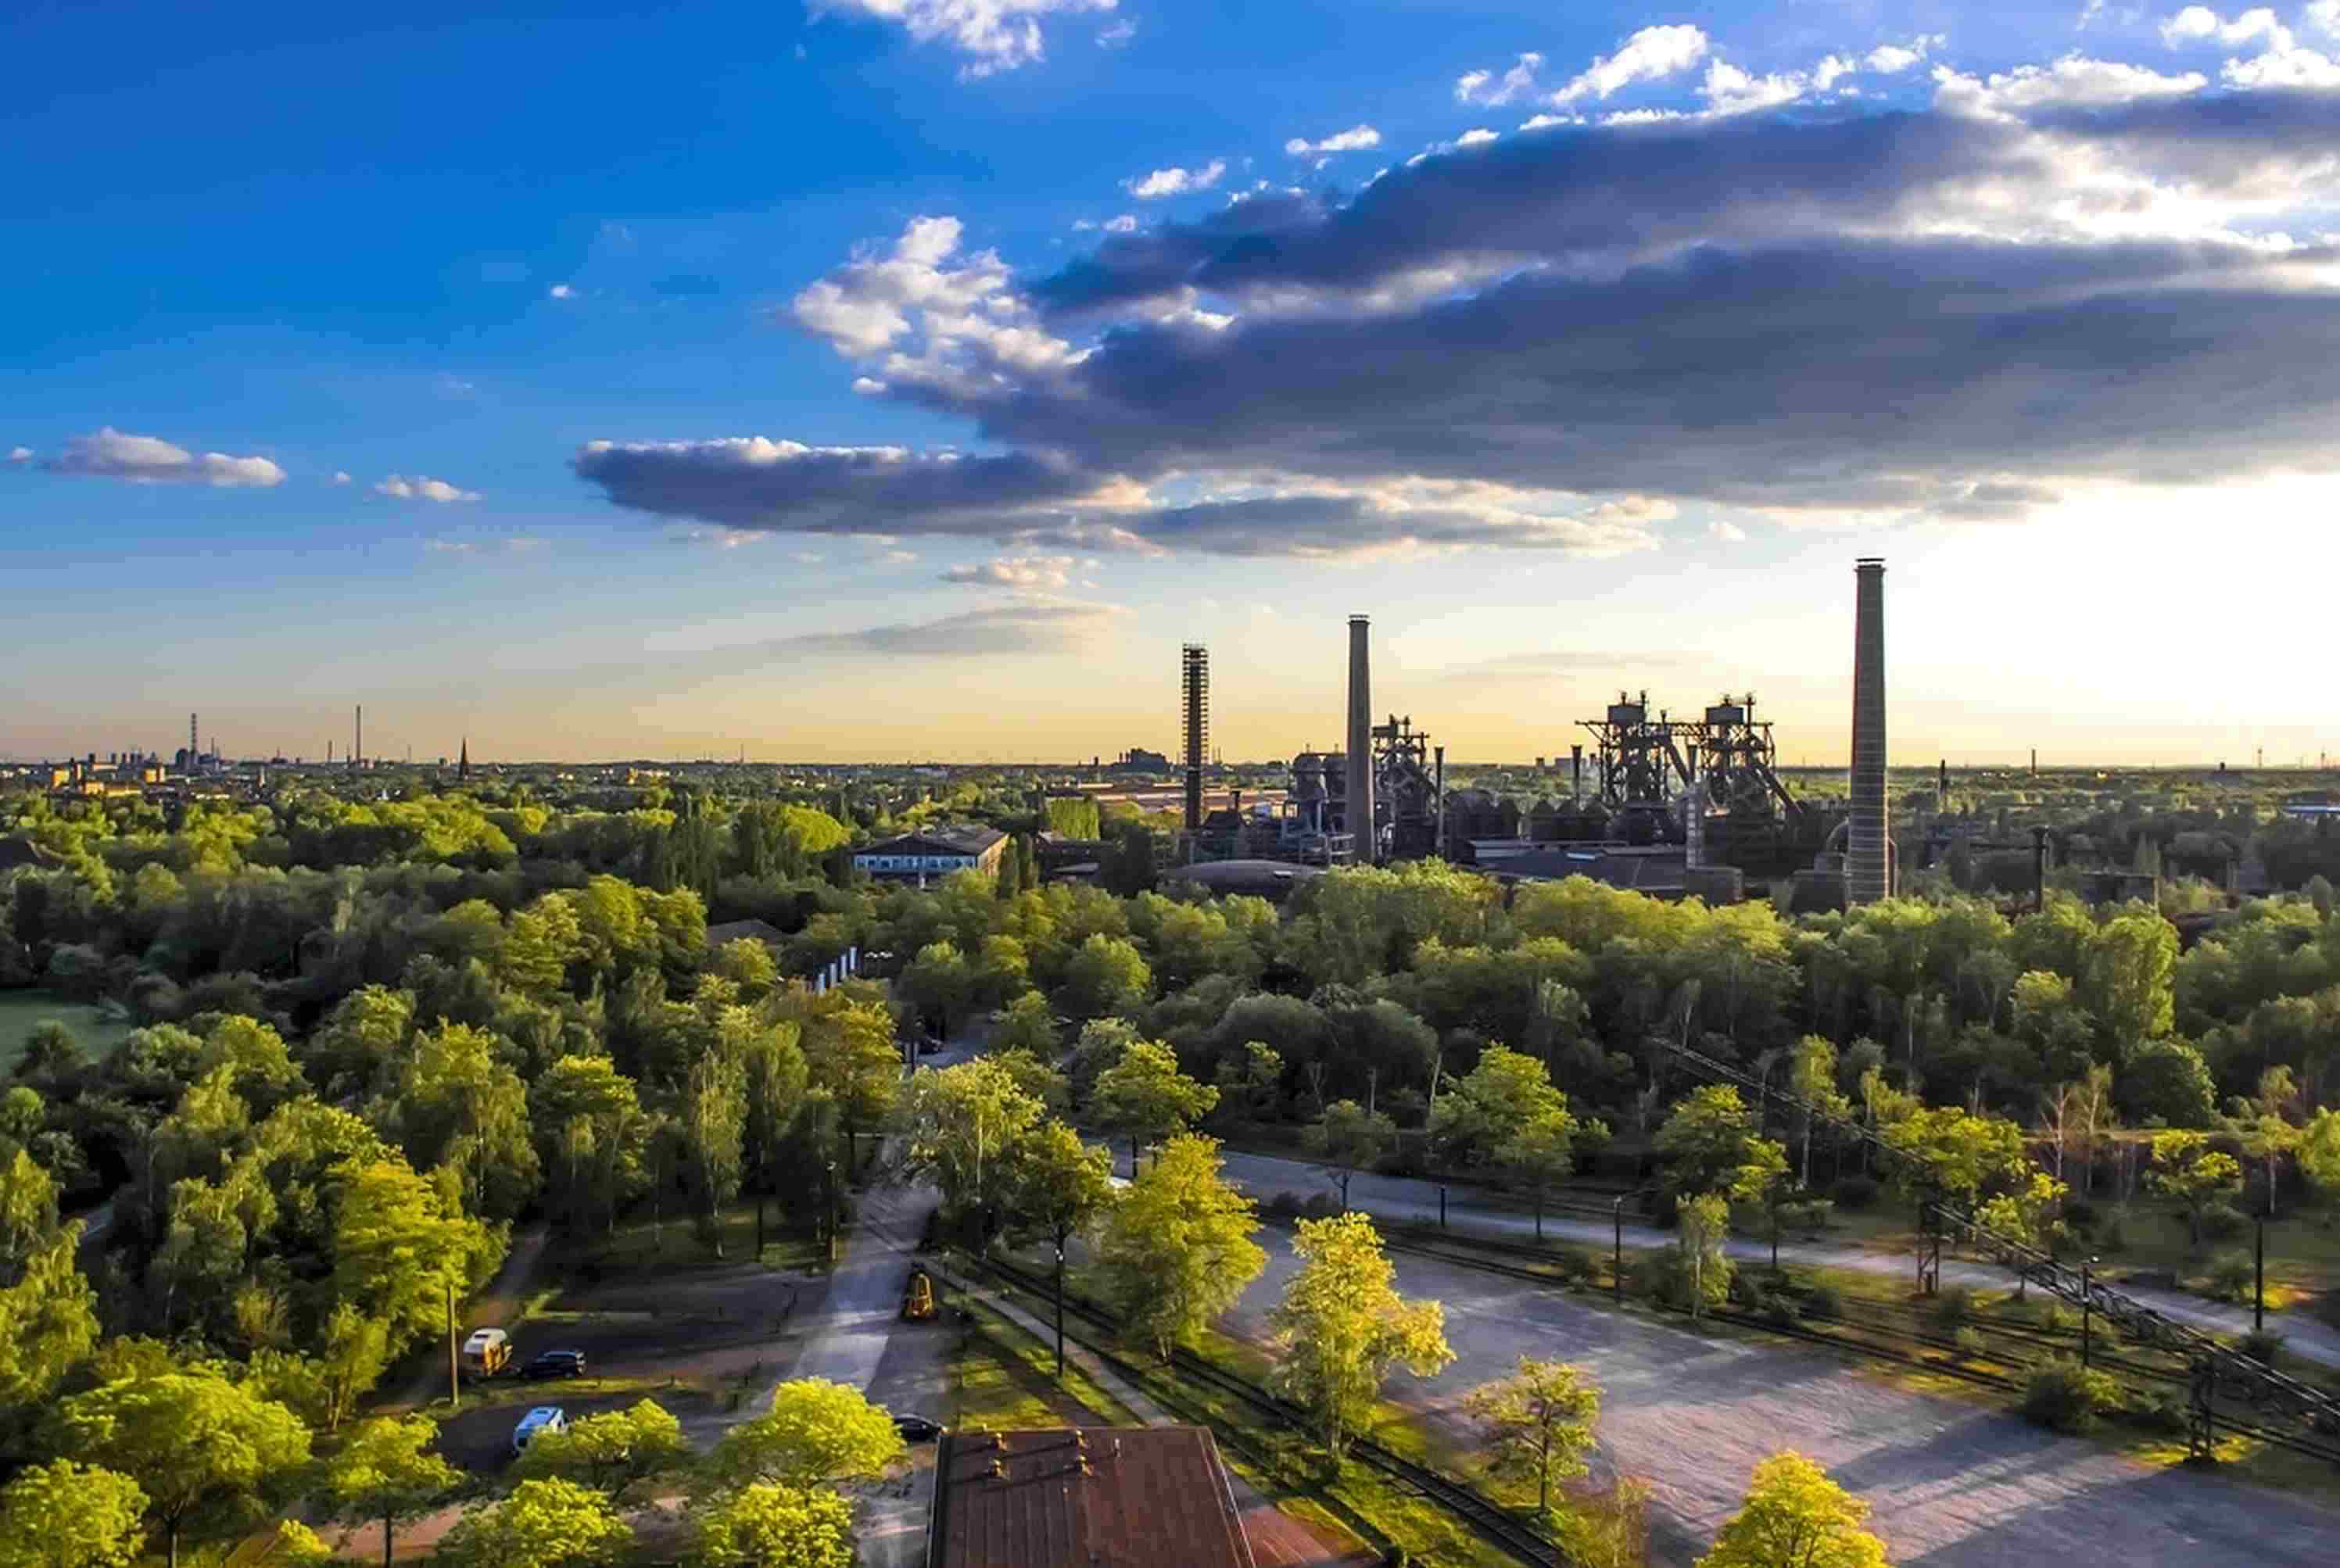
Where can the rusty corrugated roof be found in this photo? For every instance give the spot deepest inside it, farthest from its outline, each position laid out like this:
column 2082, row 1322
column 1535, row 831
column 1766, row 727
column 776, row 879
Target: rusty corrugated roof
column 1089, row 1497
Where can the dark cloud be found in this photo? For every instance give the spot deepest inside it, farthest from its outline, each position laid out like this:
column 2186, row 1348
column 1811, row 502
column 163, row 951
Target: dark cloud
column 1336, row 524
column 1051, row 628
column 752, row 483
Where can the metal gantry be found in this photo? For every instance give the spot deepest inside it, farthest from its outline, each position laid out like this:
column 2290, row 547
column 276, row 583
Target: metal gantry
column 2215, row 1365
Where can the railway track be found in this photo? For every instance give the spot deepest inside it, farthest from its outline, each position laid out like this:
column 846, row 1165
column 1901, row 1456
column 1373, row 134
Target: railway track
column 1492, row 1523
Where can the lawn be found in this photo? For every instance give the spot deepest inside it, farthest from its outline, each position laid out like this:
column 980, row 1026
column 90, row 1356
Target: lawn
column 638, row 1246
column 20, row 1010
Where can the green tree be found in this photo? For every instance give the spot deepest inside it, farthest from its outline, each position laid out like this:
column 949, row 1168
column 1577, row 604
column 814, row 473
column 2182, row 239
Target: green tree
column 2128, row 975
column 1701, row 1224
column 1350, row 1139
column 1057, row 1187
column 713, row 1119
column 816, row 1432
column 2319, row 1152
column 1028, row 1023
column 613, row 1452
column 2265, row 1125
column 852, row 1055
column 593, row 1137
column 2167, row 1081
column 386, row 1473
column 1957, row 1154
column 960, row 1124
column 938, row 983
column 769, row 1526
column 1145, row 1098
column 48, row 1323
column 1539, row 1423
column 203, row 1449
column 2188, row 1171
column 1341, row 1327
column 1177, row 1249
column 459, row 1104
column 1706, row 1141
column 29, row 1210
column 67, row 1515
column 1105, row 977
column 542, row 1524
column 1796, row 1517
column 1811, row 1076
column 403, row 1251
column 1482, row 1110
column 1543, row 1151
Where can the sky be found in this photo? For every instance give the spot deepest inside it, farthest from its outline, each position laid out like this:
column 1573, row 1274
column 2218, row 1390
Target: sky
column 909, row 379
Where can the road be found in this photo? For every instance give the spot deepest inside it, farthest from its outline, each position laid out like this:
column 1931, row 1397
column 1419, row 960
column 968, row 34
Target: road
column 1403, row 1198
column 1952, row 1486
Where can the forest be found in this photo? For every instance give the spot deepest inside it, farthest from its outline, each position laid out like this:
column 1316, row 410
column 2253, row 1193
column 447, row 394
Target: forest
column 363, row 1042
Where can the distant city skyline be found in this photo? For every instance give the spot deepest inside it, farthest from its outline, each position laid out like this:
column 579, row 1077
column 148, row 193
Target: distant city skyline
column 887, row 379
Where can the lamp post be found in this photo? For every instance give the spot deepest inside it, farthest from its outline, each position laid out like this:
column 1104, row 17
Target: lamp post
column 2259, row 1275
column 1617, row 1257
column 2087, row 1309
column 1442, row 1205
column 828, row 1208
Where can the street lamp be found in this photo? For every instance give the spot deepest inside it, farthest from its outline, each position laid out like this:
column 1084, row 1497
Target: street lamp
column 828, row 1207
column 1617, row 1258
column 2087, row 1308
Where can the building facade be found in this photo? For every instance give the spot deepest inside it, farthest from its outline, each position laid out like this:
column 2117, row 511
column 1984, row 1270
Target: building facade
column 932, row 854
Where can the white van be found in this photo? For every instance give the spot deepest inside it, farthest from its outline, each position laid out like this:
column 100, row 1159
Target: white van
column 542, row 1419
column 487, row 1351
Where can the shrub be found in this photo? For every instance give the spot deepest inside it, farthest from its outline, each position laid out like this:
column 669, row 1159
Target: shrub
column 2160, row 1410
column 2079, row 1214
column 2262, row 1346
column 2114, row 1237
column 2053, row 1316
column 2065, row 1396
column 1969, row 1343
column 1954, row 1307
column 1821, row 1300
column 1780, row 1308
column 2223, row 1222
column 1573, row 1264
column 2231, row 1277
column 1853, row 1191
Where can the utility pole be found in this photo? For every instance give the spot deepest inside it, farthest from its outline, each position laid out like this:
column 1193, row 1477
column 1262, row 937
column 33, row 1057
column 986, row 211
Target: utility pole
column 2087, row 1309
column 2258, row 1266
column 454, row 1363
column 1617, row 1258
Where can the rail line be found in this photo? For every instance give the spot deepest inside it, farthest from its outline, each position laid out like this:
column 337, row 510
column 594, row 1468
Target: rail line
column 1492, row 1523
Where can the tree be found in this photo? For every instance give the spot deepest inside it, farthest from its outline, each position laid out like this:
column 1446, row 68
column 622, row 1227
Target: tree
column 1145, row 1098
column 1706, row 1141
column 1540, row 1423
column 2128, row 973
column 592, row 1135
column 611, row 1452
column 2187, row 1170
column 1350, row 1139
column 769, row 1526
column 850, row 1054
column 1796, row 1517
column 29, row 1210
column 938, row 984
column 1176, row 1250
column 2167, row 1081
column 713, row 1119
column 1058, row 1186
column 1539, row 1153
column 458, row 1103
column 2319, row 1152
column 2267, row 1134
column 1957, row 1154
column 959, row 1124
column 542, row 1524
column 403, row 1251
column 69, row 1515
column 1341, row 1327
column 817, row 1433
column 2023, row 1215
column 1701, row 1224
column 1811, row 1075
column 1481, row 1112
column 387, row 1473
column 1027, row 1023
column 197, row 1445
column 1107, row 977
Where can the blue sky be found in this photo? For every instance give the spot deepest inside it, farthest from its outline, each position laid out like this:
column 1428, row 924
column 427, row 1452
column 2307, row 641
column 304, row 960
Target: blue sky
column 1061, row 355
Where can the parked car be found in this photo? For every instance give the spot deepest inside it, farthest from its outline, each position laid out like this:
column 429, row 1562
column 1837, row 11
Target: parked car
column 917, row 1428
column 487, row 1351
column 542, row 1419
column 555, row 1363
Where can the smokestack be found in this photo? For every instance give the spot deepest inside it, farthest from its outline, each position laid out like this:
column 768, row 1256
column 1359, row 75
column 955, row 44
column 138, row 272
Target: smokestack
column 357, row 744
column 1868, row 871
column 1361, row 741
column 1194, row 676
column 1576, row 777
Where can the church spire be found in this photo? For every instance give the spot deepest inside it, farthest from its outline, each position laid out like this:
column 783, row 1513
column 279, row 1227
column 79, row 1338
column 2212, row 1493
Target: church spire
column 463, row 763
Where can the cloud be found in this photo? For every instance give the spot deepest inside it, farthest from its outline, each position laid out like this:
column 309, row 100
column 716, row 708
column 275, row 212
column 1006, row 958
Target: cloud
column 1127, row 224
column 993, row 35
column 1728, row 90
column 20, row 454
column 1019, row 572
column 1728, row 533
column 753, row 483
column 419, row 489
column 2073, row 81
column 950, row 309
column 899, row 558
column 1114, row 36
column 1652, row 54
column 340, row 476
column 561, row 292
column 1018, row 628
column 1477, row 136
column 111, row 453
column 1175, row 181
column 1893, row 59
column 2198, row 22
column 1355, row 139
column 509, row 545
column 1485, row 88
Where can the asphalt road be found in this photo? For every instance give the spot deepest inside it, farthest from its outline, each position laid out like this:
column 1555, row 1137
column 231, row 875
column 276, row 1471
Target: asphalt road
column 1951, row 1486
column 1402, row 1197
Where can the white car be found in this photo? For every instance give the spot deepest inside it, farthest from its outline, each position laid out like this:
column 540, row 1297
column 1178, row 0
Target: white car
column 542, row 1419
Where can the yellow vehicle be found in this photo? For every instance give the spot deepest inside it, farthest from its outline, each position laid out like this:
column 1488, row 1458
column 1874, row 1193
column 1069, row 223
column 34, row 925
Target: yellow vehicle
column 917, row 1297
column 487, row 1351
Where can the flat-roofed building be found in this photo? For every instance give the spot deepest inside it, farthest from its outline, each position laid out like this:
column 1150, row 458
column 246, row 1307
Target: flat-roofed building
column 932, row 853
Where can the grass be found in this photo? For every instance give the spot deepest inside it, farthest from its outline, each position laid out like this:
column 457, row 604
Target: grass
column 500, row 1393
column 1002, row 1379
column 640, row 1246
column 98, row 1030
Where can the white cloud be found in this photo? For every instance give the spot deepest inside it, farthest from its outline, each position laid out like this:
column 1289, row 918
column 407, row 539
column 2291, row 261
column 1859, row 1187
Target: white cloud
column 1539, row 122
column 956, row 314
column 2073, row 81
column 1485, row 87
column 111, row 454
column 1473, row 137
column 899, row 558
column 561, row 292
column 1175, row 180
column 720, row 538
column 341, row 477
column 1127, row 224
column 510, row 545
column 1024, row 573
column 2283, row 67
column 2197, row 23
column 868, row 386
column 1652, row 54
column 1355, row 139
column 1114, row 36
column 1731, row 91
column 994, row 35
column 1728, row 533
column 1832, row 67
column 1893, row 59
column 2324, row 15
column 20, row 454
column 399, row 488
